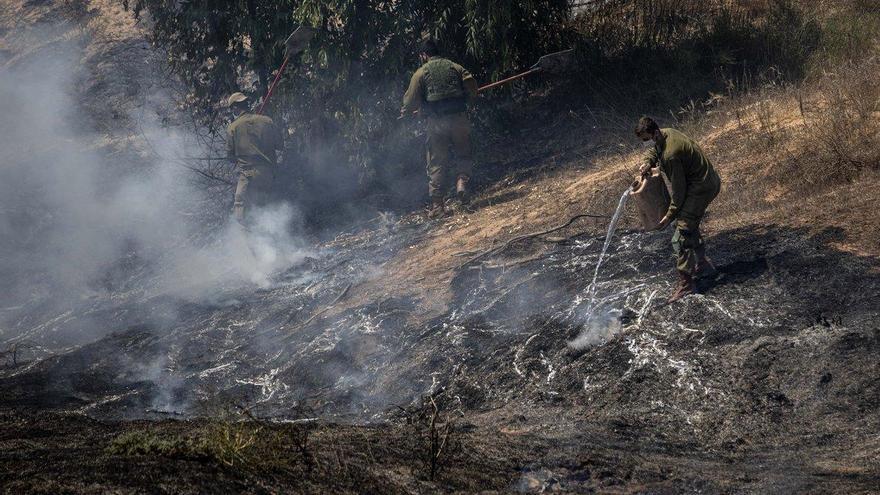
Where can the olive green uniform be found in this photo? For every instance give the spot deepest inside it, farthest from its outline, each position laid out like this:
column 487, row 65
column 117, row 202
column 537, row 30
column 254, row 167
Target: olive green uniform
column 694, row 183
column 251, row 142
column 440, row 90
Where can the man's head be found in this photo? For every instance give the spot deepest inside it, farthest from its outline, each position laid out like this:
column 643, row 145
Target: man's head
column 647, row 129
column 428, row 49
column 238, row 103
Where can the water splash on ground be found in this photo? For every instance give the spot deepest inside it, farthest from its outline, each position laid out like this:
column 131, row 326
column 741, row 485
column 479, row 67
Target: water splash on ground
column 600, row 325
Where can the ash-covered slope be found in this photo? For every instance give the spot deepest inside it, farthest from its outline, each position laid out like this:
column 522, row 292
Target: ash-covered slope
column 771, row 372
column 777, row 357
column 789, row 329
column 101, row 206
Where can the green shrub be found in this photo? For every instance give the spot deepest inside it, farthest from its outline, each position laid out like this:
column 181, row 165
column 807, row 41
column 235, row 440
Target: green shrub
column 232, row 444
column 248, row 444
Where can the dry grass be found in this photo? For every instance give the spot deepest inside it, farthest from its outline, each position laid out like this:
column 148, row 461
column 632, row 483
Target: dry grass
column 780, row 149
column 245, row 444
column 804, row 156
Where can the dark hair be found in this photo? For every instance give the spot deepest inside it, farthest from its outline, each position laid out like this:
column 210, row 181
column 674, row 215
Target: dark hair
column 429, row 47
column 646, row 126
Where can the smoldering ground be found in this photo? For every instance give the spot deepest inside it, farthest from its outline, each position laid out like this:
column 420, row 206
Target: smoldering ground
column 101, row 215
column 105, row 254
column 113, row 244
column 273, row 342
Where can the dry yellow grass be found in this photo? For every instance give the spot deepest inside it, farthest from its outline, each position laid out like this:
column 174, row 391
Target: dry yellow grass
column 756, row 144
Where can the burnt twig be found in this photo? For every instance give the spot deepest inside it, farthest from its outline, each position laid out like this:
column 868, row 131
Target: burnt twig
column 523, row 237
column 511, row 264
column 438, row 436
column 207, row 175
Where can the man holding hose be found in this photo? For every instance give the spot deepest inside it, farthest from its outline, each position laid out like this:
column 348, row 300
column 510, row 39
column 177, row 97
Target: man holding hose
column 694, row 183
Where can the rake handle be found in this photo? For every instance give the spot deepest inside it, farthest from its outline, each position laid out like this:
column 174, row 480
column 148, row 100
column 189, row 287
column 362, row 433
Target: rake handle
column 272, row 87
column 509, row 79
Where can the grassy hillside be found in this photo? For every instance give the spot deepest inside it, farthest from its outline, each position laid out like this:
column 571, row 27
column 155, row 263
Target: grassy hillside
column 381, row 363
column 801, row 152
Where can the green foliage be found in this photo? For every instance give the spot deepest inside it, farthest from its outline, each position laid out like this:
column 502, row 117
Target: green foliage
column 229, row 443
column 233, row 443
column 214, row 45
column 219, row 46
column 239, row 444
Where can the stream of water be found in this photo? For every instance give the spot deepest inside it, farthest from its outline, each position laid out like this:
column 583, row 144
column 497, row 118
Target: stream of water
column 598, row 326
column 612, row 227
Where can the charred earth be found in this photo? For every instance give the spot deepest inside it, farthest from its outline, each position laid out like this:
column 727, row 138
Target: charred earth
column 415, row 356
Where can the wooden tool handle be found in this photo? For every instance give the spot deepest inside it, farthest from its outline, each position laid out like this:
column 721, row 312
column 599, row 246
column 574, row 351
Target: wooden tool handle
column 509, row 79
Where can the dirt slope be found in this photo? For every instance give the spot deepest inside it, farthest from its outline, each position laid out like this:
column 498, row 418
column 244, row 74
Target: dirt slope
column 753, row 194
column 121, row 75
column 765, row 383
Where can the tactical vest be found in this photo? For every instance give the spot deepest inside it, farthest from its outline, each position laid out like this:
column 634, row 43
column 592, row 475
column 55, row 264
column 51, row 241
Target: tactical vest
column 253, row 136
column 444, row 91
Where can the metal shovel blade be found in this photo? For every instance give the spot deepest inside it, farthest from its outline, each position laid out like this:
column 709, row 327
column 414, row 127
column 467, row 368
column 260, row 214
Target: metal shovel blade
column 299, row 40
column 556, row 63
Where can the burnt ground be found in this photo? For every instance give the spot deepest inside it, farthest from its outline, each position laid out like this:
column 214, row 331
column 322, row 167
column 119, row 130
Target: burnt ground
column 766, row 382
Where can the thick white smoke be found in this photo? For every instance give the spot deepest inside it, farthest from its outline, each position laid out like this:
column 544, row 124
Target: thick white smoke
column 88, row 206
column 236, row 256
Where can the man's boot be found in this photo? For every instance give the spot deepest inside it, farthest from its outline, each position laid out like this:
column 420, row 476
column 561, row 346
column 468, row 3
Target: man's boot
column 461, row 189
column 438, row 208
column 685, row 287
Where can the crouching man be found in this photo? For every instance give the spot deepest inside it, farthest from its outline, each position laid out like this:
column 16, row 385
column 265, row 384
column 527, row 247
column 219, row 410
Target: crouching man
column 694, row 183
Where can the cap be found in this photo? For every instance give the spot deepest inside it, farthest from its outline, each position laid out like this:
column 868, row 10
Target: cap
column 235, row 98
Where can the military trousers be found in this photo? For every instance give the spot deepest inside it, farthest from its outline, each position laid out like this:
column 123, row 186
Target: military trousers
column 254, row 188
column 449, row 152
column 687, row 242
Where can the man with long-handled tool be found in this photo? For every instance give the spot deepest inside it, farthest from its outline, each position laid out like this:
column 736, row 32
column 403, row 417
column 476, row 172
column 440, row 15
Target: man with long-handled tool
column 251, row 142
column 440, row 90
column 253, row 138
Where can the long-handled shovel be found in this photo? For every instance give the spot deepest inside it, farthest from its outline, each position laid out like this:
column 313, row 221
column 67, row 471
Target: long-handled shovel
column 556, row 62
column 550, row 63
column 295, row 44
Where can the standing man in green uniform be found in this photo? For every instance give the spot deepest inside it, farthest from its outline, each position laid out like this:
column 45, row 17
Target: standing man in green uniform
column 251, row 142
column 693, row 185
column 440, row 90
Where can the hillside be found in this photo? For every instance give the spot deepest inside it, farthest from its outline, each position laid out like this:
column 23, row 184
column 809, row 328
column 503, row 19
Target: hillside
column 400, row 357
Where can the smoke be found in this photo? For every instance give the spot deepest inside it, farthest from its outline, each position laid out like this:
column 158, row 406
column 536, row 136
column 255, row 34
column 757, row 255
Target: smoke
column 597, row 329
column 96, row 205
column 237, row 256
